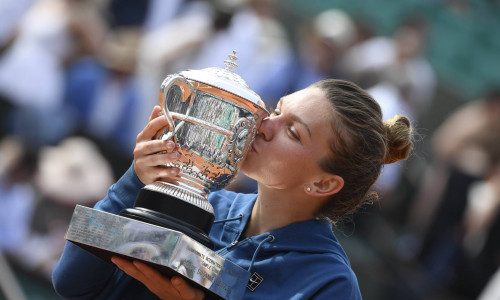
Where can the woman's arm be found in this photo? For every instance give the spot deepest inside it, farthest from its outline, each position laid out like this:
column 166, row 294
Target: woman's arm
column 81, row 275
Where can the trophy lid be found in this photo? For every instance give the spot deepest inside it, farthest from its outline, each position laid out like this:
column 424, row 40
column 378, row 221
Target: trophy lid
column 224, row 79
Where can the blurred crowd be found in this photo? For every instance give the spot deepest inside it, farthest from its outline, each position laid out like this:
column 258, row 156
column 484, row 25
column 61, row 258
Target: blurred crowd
column 79, row 78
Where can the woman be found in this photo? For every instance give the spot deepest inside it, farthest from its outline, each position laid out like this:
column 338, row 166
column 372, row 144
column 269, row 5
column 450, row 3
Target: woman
column 315, row 159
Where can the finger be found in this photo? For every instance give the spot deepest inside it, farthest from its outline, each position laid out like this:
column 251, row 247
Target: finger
column 166, row 172
column 153, row 146
column 156, row 282
column 166, row 179
column 150, row 174
column 186, row 291
column 129, row 268
column 154, row 276
column 159, row 172
column 159, row 159
column 152, row 129
column 155, row 113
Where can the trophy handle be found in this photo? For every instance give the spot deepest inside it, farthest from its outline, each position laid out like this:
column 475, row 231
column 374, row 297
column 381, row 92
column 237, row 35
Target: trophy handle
column 186, row 91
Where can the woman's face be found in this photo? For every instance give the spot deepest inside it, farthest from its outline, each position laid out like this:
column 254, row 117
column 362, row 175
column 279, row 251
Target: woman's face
column 291, row 142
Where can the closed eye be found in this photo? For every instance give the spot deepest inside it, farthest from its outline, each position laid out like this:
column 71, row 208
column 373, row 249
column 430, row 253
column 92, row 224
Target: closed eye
column 293, row 134
column 290, row 130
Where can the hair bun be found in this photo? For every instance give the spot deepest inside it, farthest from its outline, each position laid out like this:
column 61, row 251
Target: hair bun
column 399, row 139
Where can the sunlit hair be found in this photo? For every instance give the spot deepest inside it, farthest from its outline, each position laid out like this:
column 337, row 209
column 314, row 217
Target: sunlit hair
column 361, row 145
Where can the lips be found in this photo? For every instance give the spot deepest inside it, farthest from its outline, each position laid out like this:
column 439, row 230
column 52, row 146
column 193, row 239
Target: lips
column 253, row 148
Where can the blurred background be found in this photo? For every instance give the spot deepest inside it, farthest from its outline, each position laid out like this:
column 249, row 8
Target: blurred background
column 79, row 78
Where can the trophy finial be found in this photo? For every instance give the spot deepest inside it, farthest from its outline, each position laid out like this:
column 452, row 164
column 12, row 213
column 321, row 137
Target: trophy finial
column 231, row 63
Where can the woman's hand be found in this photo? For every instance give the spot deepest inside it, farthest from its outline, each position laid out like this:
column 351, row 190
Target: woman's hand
column 163, row 287
column 151, row 154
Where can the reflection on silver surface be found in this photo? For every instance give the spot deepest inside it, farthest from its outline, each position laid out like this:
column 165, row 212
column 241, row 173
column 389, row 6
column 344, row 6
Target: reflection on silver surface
column 213, row 137
column 213, row 115
column 162, row 247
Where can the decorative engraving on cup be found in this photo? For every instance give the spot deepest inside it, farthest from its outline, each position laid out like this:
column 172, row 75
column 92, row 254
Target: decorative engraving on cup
column 242, row 137
column 214, row 134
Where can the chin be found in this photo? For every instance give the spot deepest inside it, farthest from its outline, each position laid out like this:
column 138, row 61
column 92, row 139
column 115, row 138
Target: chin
column 249, row 162
column 249, row 172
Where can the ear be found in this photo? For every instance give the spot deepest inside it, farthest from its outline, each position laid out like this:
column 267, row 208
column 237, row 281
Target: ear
column 327, row 185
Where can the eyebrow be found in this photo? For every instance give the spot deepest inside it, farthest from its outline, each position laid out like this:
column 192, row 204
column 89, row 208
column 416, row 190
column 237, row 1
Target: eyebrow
column 296, row 118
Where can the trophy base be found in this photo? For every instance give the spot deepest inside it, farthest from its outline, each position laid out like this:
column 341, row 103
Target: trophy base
column 156, row 206
column 163, row 220
column 171, row 252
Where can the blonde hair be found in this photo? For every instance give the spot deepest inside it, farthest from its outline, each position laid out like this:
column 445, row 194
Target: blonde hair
column 399, row 138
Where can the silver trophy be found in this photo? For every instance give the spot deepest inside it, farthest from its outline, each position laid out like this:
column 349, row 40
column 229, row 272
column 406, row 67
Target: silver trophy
column 213, row 116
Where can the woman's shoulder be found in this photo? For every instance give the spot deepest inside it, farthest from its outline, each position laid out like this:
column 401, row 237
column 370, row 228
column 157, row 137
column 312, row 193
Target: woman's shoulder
column 333, row 274
column 327, row 274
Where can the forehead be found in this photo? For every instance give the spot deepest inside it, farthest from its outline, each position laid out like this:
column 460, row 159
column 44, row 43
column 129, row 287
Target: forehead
column 309, row 104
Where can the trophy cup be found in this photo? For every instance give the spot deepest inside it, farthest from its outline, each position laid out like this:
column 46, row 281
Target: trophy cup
column 213, row 116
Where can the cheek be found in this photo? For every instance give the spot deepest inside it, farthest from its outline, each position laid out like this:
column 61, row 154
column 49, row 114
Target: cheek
column 276, row 166
column 274, row 174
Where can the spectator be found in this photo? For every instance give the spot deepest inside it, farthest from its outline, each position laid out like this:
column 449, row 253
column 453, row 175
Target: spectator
column 51, row 33
column 322, row 43
column 456, row 218
column 400, row 61
column 17, row 194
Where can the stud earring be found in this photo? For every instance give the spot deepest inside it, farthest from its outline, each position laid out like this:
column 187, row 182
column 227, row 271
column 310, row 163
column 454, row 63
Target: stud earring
column 308, row 189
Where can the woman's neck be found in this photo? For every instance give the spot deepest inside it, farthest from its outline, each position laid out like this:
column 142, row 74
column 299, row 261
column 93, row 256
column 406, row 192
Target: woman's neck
column 278, row 208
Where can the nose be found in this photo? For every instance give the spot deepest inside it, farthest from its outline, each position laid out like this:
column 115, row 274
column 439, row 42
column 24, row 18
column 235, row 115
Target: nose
column 265, row 129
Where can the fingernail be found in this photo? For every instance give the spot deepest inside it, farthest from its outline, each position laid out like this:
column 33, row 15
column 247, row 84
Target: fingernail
column 174, row 155
column 174, row 171
column 170, row 145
